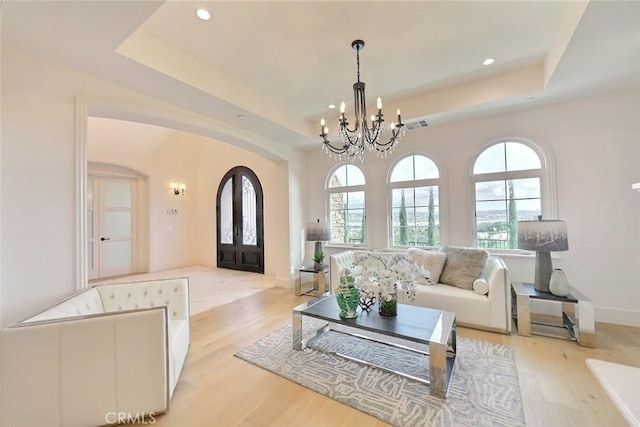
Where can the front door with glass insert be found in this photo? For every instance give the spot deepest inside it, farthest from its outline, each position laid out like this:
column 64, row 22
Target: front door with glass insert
column 240, row 221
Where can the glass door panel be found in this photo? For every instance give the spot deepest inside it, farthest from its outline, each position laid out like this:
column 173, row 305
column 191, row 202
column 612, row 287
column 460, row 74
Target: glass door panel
column 92, row 253
column 226, row 213
column 117, row 254
column 249, row 219
column 117, row 224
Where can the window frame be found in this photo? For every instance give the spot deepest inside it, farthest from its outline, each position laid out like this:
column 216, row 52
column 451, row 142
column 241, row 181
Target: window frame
column 345, row 189
column 440, row 182
column 546, row 174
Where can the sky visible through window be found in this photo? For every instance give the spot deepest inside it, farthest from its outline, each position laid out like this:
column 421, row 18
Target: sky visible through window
column 415, row 210
column 506, row 198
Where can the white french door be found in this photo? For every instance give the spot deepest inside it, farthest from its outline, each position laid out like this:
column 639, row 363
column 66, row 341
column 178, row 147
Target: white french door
column 111, row 219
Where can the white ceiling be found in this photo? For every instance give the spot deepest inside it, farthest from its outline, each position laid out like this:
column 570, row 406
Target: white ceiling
column 280, row 63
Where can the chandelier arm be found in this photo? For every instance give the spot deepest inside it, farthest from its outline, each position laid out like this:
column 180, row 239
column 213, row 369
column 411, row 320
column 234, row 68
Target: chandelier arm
column 345, row 128
column 334, row 150
column 389, row 145
column 329, row 146
column 372, row 134
column 350, row 138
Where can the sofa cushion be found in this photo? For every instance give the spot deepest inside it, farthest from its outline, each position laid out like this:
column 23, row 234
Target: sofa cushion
column 430, row 260
column 463, row 266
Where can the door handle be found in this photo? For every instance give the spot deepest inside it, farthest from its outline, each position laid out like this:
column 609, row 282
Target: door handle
column 105, row 238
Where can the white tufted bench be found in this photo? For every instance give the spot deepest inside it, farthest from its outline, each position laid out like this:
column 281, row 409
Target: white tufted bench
column 110, row 349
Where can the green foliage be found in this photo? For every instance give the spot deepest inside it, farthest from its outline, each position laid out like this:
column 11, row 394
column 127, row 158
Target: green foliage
column 403, row 238
column 431, row 230
column 513, row 219
column 318, row 257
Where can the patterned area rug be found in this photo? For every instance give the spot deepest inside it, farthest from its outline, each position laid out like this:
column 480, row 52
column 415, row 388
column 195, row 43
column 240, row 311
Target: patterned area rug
column 484, row 390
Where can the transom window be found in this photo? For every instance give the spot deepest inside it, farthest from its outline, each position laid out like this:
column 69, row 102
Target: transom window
column 415, row 208
column 508, row 188
column 346, row 193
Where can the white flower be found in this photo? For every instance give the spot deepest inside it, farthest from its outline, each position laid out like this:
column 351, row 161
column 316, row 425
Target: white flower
column 399, row 268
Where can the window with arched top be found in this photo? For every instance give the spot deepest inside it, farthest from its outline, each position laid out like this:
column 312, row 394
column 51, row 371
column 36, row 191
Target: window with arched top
column 414, row 191
column 346, row 201
column 509, row 179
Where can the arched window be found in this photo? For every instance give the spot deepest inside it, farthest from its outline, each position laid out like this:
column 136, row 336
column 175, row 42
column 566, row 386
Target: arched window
column 414, row 187
column 509, row 180
column 346, row 197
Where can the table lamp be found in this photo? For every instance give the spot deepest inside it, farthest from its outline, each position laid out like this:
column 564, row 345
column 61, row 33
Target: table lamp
column 318, row 232
column 543, row 237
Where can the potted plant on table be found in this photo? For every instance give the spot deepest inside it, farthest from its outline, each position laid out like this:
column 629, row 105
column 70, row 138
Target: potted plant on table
column 318, row 259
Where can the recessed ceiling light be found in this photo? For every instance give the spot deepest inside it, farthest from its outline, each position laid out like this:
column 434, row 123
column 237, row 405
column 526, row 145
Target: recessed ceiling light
column 331, row 106
column 240, row 117
column 488, row 61
column 203, row 14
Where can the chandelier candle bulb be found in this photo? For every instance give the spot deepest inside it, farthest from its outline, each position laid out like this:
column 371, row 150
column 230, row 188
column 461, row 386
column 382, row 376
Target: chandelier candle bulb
column 379, row 104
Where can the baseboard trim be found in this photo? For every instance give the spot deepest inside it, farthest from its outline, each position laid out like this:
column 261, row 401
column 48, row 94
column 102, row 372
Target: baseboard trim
column 282, row 282
column 617, row 316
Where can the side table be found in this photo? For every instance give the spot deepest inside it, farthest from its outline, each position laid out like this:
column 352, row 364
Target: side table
column 319, row 281
column 577, row 314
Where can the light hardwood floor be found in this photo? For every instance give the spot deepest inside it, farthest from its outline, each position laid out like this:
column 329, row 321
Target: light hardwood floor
column 218, row 389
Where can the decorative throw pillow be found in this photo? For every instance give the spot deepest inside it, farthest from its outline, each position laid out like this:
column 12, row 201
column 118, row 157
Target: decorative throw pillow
column 430, row 260
column 480, row 286
column 462, row 266
column 371, row 264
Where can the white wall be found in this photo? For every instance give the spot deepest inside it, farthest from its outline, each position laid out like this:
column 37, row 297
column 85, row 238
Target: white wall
column 38, row 185
column 38, row 218
column 595, row 143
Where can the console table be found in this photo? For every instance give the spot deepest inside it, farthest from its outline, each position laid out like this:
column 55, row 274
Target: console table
column 577, row 322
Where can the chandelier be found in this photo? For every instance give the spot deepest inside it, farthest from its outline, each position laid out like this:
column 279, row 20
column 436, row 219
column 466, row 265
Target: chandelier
column 363, row 134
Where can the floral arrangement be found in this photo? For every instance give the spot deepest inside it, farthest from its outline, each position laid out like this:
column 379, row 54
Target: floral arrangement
column 389, row 271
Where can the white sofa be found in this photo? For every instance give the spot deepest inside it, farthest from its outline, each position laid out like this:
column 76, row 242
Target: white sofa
column 106, row 352
column 490, row 312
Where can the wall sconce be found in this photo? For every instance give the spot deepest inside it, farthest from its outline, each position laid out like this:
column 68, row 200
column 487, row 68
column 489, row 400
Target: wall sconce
column 178, row 188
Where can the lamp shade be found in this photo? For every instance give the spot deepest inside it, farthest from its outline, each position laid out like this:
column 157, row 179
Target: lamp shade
column 318, row 231
column 543, row 235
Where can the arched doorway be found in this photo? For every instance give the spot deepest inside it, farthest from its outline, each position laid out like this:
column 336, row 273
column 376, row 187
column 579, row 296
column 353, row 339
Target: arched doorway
column 240, row 223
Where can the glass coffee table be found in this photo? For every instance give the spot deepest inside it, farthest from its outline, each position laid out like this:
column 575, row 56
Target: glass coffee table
column 434, row 328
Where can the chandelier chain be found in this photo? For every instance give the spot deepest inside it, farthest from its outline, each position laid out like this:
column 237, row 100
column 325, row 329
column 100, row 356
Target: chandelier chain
column 358, row 61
